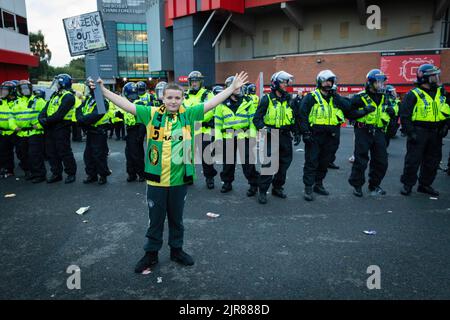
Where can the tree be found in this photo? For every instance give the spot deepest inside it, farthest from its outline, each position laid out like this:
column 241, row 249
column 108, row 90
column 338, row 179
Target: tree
column 75, row 69
column 39, row 48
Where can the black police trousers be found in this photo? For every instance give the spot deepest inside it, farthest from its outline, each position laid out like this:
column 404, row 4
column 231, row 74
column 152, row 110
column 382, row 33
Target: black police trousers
column 21, row 145
column 134, row 150
column 208, row 169
column 36, row 155
column 229, row 165
column 162, row 202
column 426, row 154
column 96, row 153
column 77, row 135
column 282, row 151
column 319, row 154
column 7, row 153
column 59, row 151
column 373, row 141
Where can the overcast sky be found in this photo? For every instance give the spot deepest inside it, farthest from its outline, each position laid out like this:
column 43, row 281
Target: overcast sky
column 47, row 16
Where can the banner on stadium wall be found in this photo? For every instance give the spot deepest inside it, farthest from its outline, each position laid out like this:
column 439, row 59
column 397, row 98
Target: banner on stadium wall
column 401, row 67
column 345, row 89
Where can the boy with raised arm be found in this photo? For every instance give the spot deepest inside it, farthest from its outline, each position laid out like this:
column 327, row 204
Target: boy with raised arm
column 169, row 164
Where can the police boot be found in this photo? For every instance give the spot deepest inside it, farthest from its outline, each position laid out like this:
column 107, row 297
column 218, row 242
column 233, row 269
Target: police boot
column 252, row 191
column 181, row 257
column 332, row 165
column 210, row 183
column 131, row 178
column 70, row 179
column 38, row 180
column 141, row 179
column 406, row 190
column 262, row 197
column 376, row 191
column 54, row 179
column 357, row 191
column 278, row 192
column 309, row 194
column 319, row 188
column 227, row 187
column 28, row 176
column 102, row 181
column 149, row 260
column 90, row 179
column 428, row 190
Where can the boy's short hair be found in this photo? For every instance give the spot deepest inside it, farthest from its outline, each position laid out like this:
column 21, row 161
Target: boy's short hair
column 173, row 86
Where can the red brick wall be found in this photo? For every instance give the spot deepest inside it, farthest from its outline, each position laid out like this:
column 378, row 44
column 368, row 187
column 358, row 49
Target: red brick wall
column 350, row 68
column 445, row 66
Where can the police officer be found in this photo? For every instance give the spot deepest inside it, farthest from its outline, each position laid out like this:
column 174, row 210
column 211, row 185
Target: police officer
column 276, row 111
column 36, row 141
column 134, row 149
column 77, row 135
column 145, row 98
column 56, row 118
column 392, row 101
column 234, row 126
column 159, row 93
column 321, row 117
column 424, row 113
column 117, row 122
column 217, row 89
column 371, row 115
column 96, row 127
column 26, row 112
column 196, row 95
column 251, row 92
column 8, row 127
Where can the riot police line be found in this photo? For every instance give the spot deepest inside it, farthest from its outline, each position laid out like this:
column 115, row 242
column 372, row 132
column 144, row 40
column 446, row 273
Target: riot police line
column 263, row 130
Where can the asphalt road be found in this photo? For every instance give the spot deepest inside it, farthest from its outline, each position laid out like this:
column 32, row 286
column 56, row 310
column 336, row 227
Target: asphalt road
column 288, row 249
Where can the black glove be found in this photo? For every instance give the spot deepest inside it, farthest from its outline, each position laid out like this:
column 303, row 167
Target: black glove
column 369, row 109
column 297, row 139
column 390, row 111
column 308, row 138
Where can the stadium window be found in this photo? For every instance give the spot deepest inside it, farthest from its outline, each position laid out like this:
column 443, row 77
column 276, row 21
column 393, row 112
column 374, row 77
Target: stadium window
column 22, row 25
column 414, row 25
column 286, row 35
column 344, row 30
column 383, row 31
column 9, row 21
column 265, row 37
column 317, row 31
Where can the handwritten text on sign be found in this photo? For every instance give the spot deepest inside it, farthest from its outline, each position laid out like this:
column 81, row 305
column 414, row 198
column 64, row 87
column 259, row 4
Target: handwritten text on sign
column 85, row 33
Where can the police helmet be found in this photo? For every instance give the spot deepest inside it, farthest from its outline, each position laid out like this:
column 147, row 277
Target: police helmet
column 130, row 91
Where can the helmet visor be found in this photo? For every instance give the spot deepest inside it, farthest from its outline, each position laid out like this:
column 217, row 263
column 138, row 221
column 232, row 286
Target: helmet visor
column 159, row 93
column 4, row 92
column 435, row 79
column 195, row 84
column 25, row 90
column 380, row 86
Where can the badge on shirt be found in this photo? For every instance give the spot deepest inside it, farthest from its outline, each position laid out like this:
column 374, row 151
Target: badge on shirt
column 154, row 155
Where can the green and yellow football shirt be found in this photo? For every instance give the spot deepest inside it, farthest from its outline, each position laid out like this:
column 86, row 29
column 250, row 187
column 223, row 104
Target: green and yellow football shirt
column 172, row 166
